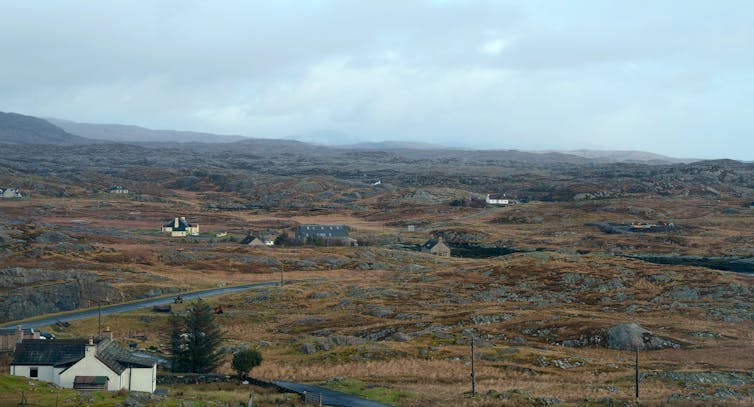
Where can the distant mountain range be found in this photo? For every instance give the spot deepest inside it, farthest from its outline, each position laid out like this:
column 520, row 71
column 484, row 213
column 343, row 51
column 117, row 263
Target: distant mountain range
column 21, row 129
column 122, row 133
column 626, row 156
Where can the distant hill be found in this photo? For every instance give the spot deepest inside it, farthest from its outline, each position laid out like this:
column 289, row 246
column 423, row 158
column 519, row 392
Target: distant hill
column 626, row 156
column 20, row 129
column 394, row 145
column 127, row 133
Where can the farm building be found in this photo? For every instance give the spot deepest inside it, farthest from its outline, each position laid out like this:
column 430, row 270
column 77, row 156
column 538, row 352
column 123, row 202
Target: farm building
column 492, row 199
column 251, row 240
column 436, row 247
column 85, row 365
column 328, row 234
column 180, row 227
column 9, row 337
column 118, row 190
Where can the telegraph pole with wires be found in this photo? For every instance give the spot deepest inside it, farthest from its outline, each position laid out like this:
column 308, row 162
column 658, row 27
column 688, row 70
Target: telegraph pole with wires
column 473, row 368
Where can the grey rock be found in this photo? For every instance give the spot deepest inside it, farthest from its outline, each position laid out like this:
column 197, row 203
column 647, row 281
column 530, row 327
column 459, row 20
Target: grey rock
column 684, row 293
column 631, row 336
column 491, row 319
column 380, row 312
column 324, row 344
column 346, row 340
column 307, row 348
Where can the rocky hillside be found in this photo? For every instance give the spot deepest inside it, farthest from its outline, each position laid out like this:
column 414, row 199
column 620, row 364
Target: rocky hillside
column 19, row 129
column 128, row 134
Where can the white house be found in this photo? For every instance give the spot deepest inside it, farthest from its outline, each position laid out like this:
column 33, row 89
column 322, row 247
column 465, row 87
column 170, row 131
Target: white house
column 118, row 189
column 85, row 365
column 179, row 227
column 496, row 200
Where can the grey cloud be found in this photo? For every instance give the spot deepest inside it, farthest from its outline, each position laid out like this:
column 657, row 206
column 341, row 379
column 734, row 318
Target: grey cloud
column 663, row 76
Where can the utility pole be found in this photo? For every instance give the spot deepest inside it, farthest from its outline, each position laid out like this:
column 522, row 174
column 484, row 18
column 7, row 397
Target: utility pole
column 282, row 266
column 473, row 368
column 636, row 376
column 646, row 337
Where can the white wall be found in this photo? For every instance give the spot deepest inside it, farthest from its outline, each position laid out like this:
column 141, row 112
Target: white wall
column 142, row 379
column 90, row 366
column 45, row 373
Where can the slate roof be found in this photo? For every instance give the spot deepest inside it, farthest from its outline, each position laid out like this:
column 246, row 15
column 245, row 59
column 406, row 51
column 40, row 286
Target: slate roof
column 324, row 231
column 497, row 196
column 61, row 352
column 250, row 238
column 44, row 352
column 183, row 225
column 117, row 358
column 13, row 331
column 430, row 244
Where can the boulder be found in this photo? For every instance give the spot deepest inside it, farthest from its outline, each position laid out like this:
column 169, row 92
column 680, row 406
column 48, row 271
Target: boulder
column 632, row 336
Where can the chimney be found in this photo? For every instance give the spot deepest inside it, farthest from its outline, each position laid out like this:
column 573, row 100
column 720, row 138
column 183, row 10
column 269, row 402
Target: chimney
column 175, row 223
column 19, row 334
column 91, row 348
column 108, row 333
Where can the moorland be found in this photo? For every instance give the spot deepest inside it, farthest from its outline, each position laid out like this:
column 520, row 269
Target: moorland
column 549, row 287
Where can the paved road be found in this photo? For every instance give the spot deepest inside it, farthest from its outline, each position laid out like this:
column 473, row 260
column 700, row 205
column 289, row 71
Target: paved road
column 331, row 397
column 89, row 313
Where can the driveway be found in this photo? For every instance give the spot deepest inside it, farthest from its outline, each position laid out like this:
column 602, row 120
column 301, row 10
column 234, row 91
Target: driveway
column 331, row 397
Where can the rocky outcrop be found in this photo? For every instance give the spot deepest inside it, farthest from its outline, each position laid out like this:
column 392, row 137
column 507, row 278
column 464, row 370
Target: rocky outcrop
column 632, row 336
column 31, row 292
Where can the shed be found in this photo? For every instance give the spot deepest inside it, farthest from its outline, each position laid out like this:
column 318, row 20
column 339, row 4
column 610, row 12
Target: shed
column 251, row 240
column 436, row 247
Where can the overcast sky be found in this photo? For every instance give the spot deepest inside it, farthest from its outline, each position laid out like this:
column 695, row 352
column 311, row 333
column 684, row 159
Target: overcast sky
column 672, row 77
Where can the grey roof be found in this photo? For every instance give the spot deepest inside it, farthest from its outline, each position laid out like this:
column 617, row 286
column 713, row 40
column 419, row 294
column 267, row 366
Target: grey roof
column 323, row 231
column 13, row 331
column 250, row 238
column 430, row 243
column 62, row 352
column 183, row 225
column 117, row 358
column 45, row 352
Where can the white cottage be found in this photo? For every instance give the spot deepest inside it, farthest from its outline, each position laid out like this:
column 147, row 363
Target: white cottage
column 85, row 365
column 179, row 227
column 496, row 200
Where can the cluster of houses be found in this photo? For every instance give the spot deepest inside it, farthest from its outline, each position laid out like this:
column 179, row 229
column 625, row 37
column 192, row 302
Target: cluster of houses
column 11, row 193
column 83, row 364
column 325, row 235
column 492, row 200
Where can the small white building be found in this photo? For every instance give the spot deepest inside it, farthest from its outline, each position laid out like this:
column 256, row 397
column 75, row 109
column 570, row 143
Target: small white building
column 118, row 189
column 496, row 200
column 85, row 365
column 10, row 193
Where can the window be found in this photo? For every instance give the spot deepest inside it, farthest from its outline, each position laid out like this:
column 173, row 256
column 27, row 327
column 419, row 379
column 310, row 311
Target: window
column 33, row 372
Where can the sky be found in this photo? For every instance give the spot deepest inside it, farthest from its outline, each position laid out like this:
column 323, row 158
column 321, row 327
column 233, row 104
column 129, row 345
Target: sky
column 670, row 77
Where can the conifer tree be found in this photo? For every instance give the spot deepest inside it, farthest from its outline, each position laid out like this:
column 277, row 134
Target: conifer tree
column 196, row 340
